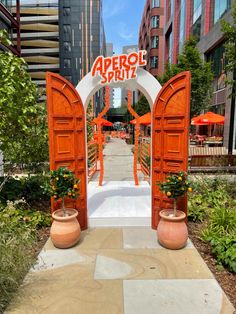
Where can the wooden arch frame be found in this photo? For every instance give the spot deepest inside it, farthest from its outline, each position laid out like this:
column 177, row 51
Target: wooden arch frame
column 170, row 123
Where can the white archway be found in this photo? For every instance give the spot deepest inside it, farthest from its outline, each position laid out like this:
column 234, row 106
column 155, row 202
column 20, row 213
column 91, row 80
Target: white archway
column 144, row 82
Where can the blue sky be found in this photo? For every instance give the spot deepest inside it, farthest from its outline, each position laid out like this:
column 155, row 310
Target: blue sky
column 122, row 20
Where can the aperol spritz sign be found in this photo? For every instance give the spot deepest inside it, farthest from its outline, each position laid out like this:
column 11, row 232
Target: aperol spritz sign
column 118, row 68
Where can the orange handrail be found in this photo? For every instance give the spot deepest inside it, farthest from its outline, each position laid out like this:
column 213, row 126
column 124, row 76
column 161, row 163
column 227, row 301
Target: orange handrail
column 137, row 130
column 100, row 139
column 92, row 158
column 145, row 158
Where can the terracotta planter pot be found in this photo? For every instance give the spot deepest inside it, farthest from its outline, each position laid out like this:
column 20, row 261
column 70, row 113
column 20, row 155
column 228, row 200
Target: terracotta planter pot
column 65, row 230
column 172, row 232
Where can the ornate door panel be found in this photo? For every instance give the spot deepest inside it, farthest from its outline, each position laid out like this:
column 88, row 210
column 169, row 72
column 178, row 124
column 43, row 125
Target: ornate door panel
column 169, row 138
column 66, row 123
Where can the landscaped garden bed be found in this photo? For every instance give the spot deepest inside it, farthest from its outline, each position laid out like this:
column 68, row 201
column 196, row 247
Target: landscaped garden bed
column 23, row 231
column 212, row 228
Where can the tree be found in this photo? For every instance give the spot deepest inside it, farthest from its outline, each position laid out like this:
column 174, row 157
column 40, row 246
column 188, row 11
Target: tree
column 229, row 30
column 23, row 126
column 142, row 106
column 201, row 76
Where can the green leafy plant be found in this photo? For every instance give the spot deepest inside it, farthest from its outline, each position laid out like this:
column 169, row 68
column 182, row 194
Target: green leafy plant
column 201, row 75
column 63, row 184
column 20, row 212
column 23, row 123
column 224, row 248
column 31, row 188
column 197, row 208
column 175, row 186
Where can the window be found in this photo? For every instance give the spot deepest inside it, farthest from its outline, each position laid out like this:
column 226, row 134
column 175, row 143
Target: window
column 154, row 62
column 66, row 28
column 197, row 10
column 155, row 21
column 182, row 25
column 67, row 46
column 220, row 7
column 66, row 11
column 154, row 42
column 155, row 3
column 67, row 63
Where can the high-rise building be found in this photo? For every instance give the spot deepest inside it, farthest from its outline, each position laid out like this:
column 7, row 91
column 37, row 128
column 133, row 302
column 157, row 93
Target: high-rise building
column 10, row 23
column 126, row 50
column 39, row 37
column 151, row 35
column 109, row 53
column 82, row 39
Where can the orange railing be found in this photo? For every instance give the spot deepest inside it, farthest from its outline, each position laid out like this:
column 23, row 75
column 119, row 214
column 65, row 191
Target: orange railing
column 92, row 158
column 145, row 158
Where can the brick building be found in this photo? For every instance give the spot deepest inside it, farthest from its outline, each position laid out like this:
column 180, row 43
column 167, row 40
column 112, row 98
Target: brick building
column 151, row 35
column 178, row 20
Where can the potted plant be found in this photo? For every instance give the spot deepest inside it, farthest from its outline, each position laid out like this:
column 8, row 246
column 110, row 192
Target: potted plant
column 65, row 230
column 172, row 230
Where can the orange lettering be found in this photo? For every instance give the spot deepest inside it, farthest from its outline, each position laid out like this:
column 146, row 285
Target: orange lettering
column 133, row 72
column 135, row 56
column 141, row 60
column 104, row 78
column 97, row 66
column 115, row 63
column 123, row 60
column 107, row 63
column 110, row 76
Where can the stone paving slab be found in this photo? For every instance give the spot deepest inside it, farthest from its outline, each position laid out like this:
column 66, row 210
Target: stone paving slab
column 101, row 275
column 118, row 203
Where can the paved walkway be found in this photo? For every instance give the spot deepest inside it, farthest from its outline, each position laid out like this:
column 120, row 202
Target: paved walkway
column 120, row 270
column 118, row 202
column 118, row 162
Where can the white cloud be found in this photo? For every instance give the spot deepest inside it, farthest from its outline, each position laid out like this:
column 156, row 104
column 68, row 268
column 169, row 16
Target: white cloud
column 124, row 32
column 111, row 9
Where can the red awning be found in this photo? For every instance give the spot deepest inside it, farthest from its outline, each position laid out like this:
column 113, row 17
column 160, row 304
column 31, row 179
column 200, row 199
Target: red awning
column 104, row 122
column 207, row 119
column 145, row 119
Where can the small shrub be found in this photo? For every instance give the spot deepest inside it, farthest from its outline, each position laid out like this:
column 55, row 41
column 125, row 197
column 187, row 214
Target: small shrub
column 197, row 208
column 31, row 188
column 63, row 184
column 12, row 190
column 18, row 212
column 224, row 248
column 224, row 218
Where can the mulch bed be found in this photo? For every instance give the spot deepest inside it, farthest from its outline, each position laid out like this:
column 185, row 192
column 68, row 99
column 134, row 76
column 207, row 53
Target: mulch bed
column 226, row 279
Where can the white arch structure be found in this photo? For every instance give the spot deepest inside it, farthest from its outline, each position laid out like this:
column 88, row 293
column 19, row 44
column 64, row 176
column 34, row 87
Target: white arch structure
column 144, row 82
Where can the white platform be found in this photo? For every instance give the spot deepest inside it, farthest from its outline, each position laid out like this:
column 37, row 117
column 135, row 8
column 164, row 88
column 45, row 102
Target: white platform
column 119, row 203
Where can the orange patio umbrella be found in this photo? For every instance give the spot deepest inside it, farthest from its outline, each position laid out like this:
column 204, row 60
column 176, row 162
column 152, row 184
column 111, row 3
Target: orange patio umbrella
column 104, row 122
column 145, row 119
column 208, row 119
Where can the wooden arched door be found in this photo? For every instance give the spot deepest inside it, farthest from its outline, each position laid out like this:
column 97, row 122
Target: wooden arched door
column 169, row 138
column 66, row 123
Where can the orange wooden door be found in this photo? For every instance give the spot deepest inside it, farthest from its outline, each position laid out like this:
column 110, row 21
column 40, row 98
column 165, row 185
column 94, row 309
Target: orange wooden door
column 66, row 123
column 170, row 138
